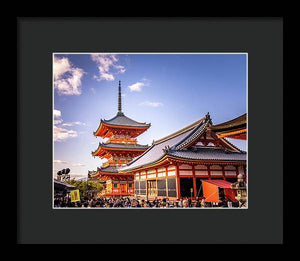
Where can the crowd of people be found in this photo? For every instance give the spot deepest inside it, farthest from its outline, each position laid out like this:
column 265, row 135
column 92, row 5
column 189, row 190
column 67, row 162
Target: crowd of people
column 128, row 202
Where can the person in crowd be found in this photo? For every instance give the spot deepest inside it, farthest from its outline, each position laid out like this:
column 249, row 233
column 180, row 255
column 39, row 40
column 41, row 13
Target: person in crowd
column 185, row 203
column 131, row 202
column 180, row 203
column 203, row 203
column 197, row 203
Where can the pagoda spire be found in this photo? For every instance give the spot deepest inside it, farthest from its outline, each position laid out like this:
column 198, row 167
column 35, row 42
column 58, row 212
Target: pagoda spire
column 119, row 99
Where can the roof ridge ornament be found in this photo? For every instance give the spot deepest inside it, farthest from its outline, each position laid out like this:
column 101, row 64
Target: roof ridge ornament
column 166, row 149
column 207, row 117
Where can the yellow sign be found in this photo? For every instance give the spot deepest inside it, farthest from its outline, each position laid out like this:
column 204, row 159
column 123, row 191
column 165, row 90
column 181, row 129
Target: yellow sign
column 75, row 195
column 192, row 189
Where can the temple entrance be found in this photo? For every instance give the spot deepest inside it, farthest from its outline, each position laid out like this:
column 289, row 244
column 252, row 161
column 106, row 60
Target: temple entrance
column 152, row 188
column 123, row 188
column 231, row 180
column 221, row 192
column 186, row 184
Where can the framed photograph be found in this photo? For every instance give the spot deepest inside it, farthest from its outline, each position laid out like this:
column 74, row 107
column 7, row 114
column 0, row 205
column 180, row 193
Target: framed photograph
column 197, row 164
column 155, row 124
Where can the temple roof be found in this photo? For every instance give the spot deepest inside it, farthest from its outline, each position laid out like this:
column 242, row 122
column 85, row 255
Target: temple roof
column 121, row 120
column 178, row 143
column 63, row 184
column 197, row 132
column 208, row 153
column 157, row 150
column 236, row 123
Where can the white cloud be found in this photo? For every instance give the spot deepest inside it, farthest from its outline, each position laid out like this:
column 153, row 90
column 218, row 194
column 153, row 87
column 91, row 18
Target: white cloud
column 93, row 90
column 56, row 113
column 60, row 67
column 61, row 134
column 65, row 162
column 57, row 117
column 78, row 165
column 107, row 66
column 67, row 79
column 151, row 104
column 137, row 87
column 60, row 162
column 58, row 121
column 77, row 175
column 73, row 123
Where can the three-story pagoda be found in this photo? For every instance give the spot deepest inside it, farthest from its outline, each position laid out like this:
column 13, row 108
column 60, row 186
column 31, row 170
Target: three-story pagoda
column 119, row 149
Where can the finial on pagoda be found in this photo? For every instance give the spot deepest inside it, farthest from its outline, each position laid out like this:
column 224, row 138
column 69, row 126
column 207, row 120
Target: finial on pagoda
column 120, row 101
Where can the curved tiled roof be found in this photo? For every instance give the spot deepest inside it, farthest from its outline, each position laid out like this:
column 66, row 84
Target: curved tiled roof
column 121, row 120
column 123, row 146
column 108, row 169
column 237, row 123
column 208, row 153
column 197, row 132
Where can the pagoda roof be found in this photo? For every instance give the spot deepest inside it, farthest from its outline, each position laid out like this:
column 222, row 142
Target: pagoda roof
column 121, row 120
column 121, row 146
column 108, row 169
column 110, row 172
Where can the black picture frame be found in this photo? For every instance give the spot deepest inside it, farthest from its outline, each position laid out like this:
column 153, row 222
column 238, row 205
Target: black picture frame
column 261, row 38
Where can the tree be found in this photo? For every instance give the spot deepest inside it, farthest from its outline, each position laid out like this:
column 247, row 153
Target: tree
column 86, row 188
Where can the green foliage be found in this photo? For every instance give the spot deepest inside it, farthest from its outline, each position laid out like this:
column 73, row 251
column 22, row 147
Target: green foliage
column 85, row 188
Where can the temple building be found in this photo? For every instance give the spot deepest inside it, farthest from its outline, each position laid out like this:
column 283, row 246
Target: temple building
column 119, row 149
column 194, row 162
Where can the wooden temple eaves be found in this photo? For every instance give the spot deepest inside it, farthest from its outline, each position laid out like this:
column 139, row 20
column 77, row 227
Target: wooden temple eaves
column 109, row 148
column 235, row 128
column 106, row 130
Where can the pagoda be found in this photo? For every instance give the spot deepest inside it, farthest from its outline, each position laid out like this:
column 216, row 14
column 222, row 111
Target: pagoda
column 119, row 149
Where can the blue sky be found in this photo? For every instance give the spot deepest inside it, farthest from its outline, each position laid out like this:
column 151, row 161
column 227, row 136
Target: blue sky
column 170, row 91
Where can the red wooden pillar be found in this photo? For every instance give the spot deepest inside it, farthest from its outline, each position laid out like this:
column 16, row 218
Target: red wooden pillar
column 177, row 182
column 194, row 181
column 146, row 184
column 208, row 171
column 166, row 181
column 237, row 170
column 156, row 172
column 223, row 172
